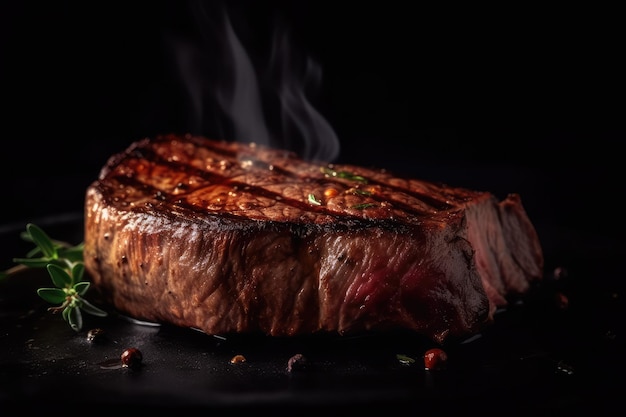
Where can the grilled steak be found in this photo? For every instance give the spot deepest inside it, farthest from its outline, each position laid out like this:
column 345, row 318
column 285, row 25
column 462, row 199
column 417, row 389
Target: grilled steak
column 227, row 237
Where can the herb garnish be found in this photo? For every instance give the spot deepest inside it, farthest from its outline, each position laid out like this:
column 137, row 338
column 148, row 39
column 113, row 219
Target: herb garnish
column 358, row 191
column 66, row 268
column 314, row 200
column 342, row 174
column 363, row 206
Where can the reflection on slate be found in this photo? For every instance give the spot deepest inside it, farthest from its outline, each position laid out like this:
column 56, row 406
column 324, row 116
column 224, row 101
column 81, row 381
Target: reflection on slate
column 560, row 348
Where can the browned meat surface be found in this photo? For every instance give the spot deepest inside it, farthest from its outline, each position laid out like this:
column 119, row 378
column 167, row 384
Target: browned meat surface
column 231, row 237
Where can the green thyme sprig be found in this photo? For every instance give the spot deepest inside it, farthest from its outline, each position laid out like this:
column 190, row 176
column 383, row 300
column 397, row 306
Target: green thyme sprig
column 342, row 174
column 66, row 268
column 314, row 200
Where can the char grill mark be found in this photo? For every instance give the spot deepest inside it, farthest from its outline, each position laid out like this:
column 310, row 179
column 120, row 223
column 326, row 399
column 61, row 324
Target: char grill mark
column 430, row 204
column 211, row 178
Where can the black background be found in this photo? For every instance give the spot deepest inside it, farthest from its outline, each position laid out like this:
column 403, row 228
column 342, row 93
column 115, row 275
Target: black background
column 522, row 100
column 527, row 101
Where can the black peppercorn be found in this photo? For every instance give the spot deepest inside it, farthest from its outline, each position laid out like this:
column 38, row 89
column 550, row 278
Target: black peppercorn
column 96, row 335
column 297, row 362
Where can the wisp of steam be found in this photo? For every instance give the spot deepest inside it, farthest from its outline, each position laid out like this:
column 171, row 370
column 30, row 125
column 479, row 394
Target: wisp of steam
column 248, row 100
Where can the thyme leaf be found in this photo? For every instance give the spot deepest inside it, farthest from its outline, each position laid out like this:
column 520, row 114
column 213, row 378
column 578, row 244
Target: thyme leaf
column 343, row 174
column 314, row 200
column 66, row 268
column 359, row 191
column 363, row 206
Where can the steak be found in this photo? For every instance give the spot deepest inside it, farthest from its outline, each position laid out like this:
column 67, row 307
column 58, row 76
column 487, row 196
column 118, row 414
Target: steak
column 227, row 237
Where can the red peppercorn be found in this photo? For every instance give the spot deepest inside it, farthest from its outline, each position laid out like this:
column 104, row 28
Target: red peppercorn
column 238, row 359
column 435, row 358
column 131, row 358
column 559, row 273
column 561, row 300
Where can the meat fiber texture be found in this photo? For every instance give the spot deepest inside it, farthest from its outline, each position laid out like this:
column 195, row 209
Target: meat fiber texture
column 229, row 237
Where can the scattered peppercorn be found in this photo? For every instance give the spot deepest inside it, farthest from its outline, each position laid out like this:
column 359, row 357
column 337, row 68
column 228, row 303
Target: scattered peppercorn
column 561, row 300
column 297, row 362
column 131, row 358
column 238, row 359
column 96, row 335
column 560, row 273
column 435, row 359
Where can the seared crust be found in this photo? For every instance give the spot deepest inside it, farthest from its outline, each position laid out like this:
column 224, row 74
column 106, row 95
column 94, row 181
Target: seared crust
column 253, row 182
column 230, row 237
